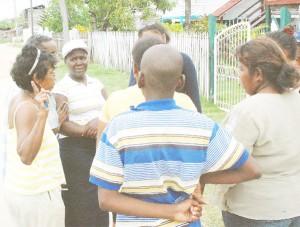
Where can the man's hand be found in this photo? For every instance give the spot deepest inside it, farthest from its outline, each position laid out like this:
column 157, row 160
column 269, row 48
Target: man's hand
column 189, row 210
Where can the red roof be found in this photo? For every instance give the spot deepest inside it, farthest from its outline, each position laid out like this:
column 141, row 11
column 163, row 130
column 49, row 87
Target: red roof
column 224, row 8
column 281, row 2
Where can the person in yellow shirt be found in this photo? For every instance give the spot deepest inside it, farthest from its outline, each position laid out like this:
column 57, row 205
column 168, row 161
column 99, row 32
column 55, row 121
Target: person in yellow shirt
column 120, row 101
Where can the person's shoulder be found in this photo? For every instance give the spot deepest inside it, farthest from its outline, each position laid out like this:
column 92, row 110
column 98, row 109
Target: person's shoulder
column 124, row 93
column 92, row 79
column 186, row 58
column 63, row 81
column 195, row 118
column 184, row 101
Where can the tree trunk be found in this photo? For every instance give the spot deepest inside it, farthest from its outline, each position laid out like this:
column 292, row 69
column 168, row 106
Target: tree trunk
column 188, row 9
column 65, row 21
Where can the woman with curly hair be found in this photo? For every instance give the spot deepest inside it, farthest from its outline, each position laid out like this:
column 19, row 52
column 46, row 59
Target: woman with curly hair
column 34, row 171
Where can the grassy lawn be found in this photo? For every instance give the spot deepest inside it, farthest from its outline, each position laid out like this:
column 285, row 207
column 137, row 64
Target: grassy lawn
column 115, row 80
column 5, row 40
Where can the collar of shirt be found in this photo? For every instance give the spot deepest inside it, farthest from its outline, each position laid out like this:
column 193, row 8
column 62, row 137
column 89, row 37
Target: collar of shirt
column 74, row 82
column 156, row 105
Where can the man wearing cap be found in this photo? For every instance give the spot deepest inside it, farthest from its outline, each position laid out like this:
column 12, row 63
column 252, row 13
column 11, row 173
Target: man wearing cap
column 77, row 139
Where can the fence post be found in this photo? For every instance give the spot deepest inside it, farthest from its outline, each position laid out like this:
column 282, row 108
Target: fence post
column 268, row 18
column 212, row 22
column 285, row 17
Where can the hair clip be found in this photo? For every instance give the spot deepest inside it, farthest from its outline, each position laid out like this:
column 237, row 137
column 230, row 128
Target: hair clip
column 35, row 62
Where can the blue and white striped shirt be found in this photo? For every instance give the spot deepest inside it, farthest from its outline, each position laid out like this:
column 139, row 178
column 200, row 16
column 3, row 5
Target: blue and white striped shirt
column 157, row 152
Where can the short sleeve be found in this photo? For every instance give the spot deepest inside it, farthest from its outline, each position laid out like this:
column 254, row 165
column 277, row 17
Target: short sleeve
column 107, row 167
column 60, row 88
column 224, row 151
column 243, row 126
column 97, row 83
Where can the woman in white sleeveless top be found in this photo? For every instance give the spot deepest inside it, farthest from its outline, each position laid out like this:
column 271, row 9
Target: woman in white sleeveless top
column 34, row 170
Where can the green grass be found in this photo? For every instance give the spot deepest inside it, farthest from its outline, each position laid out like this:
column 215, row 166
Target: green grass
column 115, row 80
column 112, row 79
column 5, row 40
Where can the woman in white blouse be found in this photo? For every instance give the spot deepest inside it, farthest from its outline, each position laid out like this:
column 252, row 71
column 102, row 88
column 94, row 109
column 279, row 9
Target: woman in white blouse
column 84, row 96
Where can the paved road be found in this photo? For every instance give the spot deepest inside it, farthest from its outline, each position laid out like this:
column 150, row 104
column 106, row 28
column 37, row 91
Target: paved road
column 7, row 56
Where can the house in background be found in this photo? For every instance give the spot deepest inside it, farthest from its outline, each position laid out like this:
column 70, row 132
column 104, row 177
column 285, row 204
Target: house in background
column 293, row 6
column 32, row 21
column 234, row 11
column 256, row 12
column 199, row 9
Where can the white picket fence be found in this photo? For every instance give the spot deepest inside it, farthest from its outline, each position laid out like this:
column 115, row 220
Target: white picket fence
column 113, row 50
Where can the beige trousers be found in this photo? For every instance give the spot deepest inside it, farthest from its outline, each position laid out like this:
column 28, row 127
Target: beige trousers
column 42, row 210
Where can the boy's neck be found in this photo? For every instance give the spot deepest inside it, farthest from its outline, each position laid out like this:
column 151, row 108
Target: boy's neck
column 156, row 96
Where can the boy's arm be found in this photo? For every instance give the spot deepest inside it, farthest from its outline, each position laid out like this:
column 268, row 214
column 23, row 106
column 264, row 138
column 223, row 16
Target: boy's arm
column 188, row 210
column 101, row 126
column 250, row 170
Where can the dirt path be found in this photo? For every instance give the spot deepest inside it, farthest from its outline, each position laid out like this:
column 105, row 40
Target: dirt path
column 8, row 54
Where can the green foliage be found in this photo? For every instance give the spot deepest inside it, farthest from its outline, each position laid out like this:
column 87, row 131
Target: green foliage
column 5, row 40
column 7, row 24
column 201, row 25
column 258, row 31
column 174, row 27
column 113, row 15
column 77, row 12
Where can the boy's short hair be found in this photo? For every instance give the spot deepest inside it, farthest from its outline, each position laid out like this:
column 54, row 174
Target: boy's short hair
column 141, row 46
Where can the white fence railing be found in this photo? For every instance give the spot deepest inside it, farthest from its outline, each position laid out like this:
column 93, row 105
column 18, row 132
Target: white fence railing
column 227, row 88
column 113, row 49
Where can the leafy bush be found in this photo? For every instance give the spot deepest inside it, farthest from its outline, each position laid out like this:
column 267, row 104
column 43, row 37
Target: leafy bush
column 174, row 27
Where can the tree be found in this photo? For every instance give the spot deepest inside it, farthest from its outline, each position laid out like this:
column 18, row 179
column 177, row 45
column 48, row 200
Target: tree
column 77, row 15
column 65, row 22
column 187, row 10
column 114, row 15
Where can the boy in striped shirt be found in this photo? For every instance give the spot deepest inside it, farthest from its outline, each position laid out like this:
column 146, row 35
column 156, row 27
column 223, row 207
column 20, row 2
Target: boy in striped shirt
column 149, row 160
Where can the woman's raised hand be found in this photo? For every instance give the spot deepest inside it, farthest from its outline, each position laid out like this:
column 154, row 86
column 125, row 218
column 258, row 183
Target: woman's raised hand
column 41, row 97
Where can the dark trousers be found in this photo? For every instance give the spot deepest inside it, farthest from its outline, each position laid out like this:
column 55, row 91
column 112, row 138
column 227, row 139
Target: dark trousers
column 233, row 220
column 81, row 198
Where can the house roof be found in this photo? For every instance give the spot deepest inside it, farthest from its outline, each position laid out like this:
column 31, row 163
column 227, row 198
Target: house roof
column 281, row 2
column 224, row 8
column 37, row 7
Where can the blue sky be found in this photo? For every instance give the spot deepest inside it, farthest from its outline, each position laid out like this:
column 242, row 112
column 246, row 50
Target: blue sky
column 7, row 7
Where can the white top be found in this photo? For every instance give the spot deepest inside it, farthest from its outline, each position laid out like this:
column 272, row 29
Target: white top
column 84, row 101
column 45, row 172
column 269, row 127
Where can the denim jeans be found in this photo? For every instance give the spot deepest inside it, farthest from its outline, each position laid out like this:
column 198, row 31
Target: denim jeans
column 233, row 220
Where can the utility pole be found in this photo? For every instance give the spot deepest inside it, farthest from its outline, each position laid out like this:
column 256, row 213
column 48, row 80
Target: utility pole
column 188, row 9
column 65, row 22
column 16, row 18
column 31, row 16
